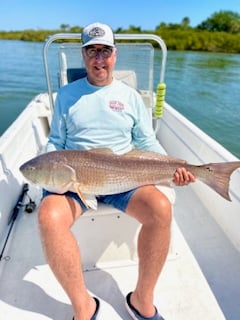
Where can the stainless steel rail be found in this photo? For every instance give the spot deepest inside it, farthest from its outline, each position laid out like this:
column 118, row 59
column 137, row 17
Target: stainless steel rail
column 77, row 36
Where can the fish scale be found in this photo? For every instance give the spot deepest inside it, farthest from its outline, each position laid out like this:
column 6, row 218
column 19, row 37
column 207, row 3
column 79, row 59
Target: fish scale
column 119, row 173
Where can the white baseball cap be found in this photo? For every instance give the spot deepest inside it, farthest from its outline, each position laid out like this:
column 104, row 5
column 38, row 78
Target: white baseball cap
column 97, row 33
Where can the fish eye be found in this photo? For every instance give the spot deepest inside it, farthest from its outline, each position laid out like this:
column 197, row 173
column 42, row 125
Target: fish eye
column 30, row 168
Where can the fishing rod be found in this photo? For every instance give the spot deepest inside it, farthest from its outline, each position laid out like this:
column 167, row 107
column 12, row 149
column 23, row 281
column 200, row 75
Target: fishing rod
column 29, row 207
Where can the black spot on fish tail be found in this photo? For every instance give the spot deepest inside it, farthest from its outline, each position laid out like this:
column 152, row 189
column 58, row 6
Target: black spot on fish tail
column 218, row 176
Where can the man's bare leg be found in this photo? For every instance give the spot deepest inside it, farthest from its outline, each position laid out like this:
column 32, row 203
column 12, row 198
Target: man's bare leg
column 56, row 215
column 153, row 210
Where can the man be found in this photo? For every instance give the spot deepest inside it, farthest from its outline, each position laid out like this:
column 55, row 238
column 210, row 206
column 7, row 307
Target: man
column 85, row 117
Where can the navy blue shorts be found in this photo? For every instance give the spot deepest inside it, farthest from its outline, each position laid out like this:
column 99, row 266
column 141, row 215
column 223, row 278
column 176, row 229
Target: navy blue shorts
column 118, row 201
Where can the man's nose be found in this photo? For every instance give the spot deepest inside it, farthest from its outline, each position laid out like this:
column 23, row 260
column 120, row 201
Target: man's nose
column 99, row 56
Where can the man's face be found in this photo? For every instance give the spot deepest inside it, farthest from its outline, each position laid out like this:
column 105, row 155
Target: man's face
column 99, row 61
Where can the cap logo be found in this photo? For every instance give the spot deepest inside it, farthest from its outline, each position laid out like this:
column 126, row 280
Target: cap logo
column 96, row 32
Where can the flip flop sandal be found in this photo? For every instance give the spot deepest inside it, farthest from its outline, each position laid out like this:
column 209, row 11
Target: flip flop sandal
column 135, row 314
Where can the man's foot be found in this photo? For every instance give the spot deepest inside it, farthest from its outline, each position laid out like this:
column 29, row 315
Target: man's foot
column 135, row 314
column 94, row 317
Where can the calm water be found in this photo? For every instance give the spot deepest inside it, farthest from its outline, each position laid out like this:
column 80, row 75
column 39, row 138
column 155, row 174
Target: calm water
column 205, row 87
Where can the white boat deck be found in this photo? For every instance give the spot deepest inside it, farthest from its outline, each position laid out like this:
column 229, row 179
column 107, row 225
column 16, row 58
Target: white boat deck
column 201, row 278
column 29, row 290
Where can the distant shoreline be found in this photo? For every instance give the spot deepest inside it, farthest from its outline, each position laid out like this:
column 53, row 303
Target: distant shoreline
column 190, row 39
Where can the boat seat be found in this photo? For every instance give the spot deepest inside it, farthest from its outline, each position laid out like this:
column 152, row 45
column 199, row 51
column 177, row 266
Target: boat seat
column 127, row 76
column 134, row 70
column 106, row 226
column 74, row 74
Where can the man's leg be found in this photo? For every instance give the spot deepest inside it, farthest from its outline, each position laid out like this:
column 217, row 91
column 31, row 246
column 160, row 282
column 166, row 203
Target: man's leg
column 56, row 215
column 153, row 210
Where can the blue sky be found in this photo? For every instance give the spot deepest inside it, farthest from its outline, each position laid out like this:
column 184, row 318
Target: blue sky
column 147, row 14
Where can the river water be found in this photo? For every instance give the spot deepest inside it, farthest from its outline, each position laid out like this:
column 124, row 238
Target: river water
column 204, row 87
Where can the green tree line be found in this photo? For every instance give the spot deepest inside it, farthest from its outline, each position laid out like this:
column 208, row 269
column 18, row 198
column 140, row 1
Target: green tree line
column 218, row 33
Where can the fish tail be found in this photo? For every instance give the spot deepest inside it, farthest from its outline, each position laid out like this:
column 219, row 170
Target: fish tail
column 218, row 176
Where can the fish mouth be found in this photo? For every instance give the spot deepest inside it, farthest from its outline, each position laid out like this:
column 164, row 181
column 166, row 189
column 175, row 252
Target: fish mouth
column 22, row 168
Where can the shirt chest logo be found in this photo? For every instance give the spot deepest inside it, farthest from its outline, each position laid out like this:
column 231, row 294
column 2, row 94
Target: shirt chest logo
column 116, row 105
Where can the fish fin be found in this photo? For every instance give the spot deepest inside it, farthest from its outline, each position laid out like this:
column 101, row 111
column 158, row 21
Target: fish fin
column 81, row 196
column 166, row 183
column 101, row 151
column 88, row 200
column 218, row 177
column 91, row 201
column 143, row 154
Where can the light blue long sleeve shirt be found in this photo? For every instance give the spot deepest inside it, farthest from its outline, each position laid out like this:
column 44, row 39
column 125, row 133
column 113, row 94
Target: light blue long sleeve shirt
column 114, row 116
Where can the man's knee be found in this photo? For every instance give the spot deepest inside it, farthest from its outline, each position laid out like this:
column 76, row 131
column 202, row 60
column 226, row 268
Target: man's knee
column 151, row 206
column 160, row 210
column 47, row 214
column 57, row 211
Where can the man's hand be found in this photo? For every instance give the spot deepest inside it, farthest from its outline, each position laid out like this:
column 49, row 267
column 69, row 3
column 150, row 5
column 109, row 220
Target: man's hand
column 182, row 177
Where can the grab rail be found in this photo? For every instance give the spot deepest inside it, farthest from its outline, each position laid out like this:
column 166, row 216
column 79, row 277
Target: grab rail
column 77, row 36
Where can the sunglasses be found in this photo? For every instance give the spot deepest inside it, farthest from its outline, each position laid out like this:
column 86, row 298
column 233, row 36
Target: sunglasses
column 93, row 52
